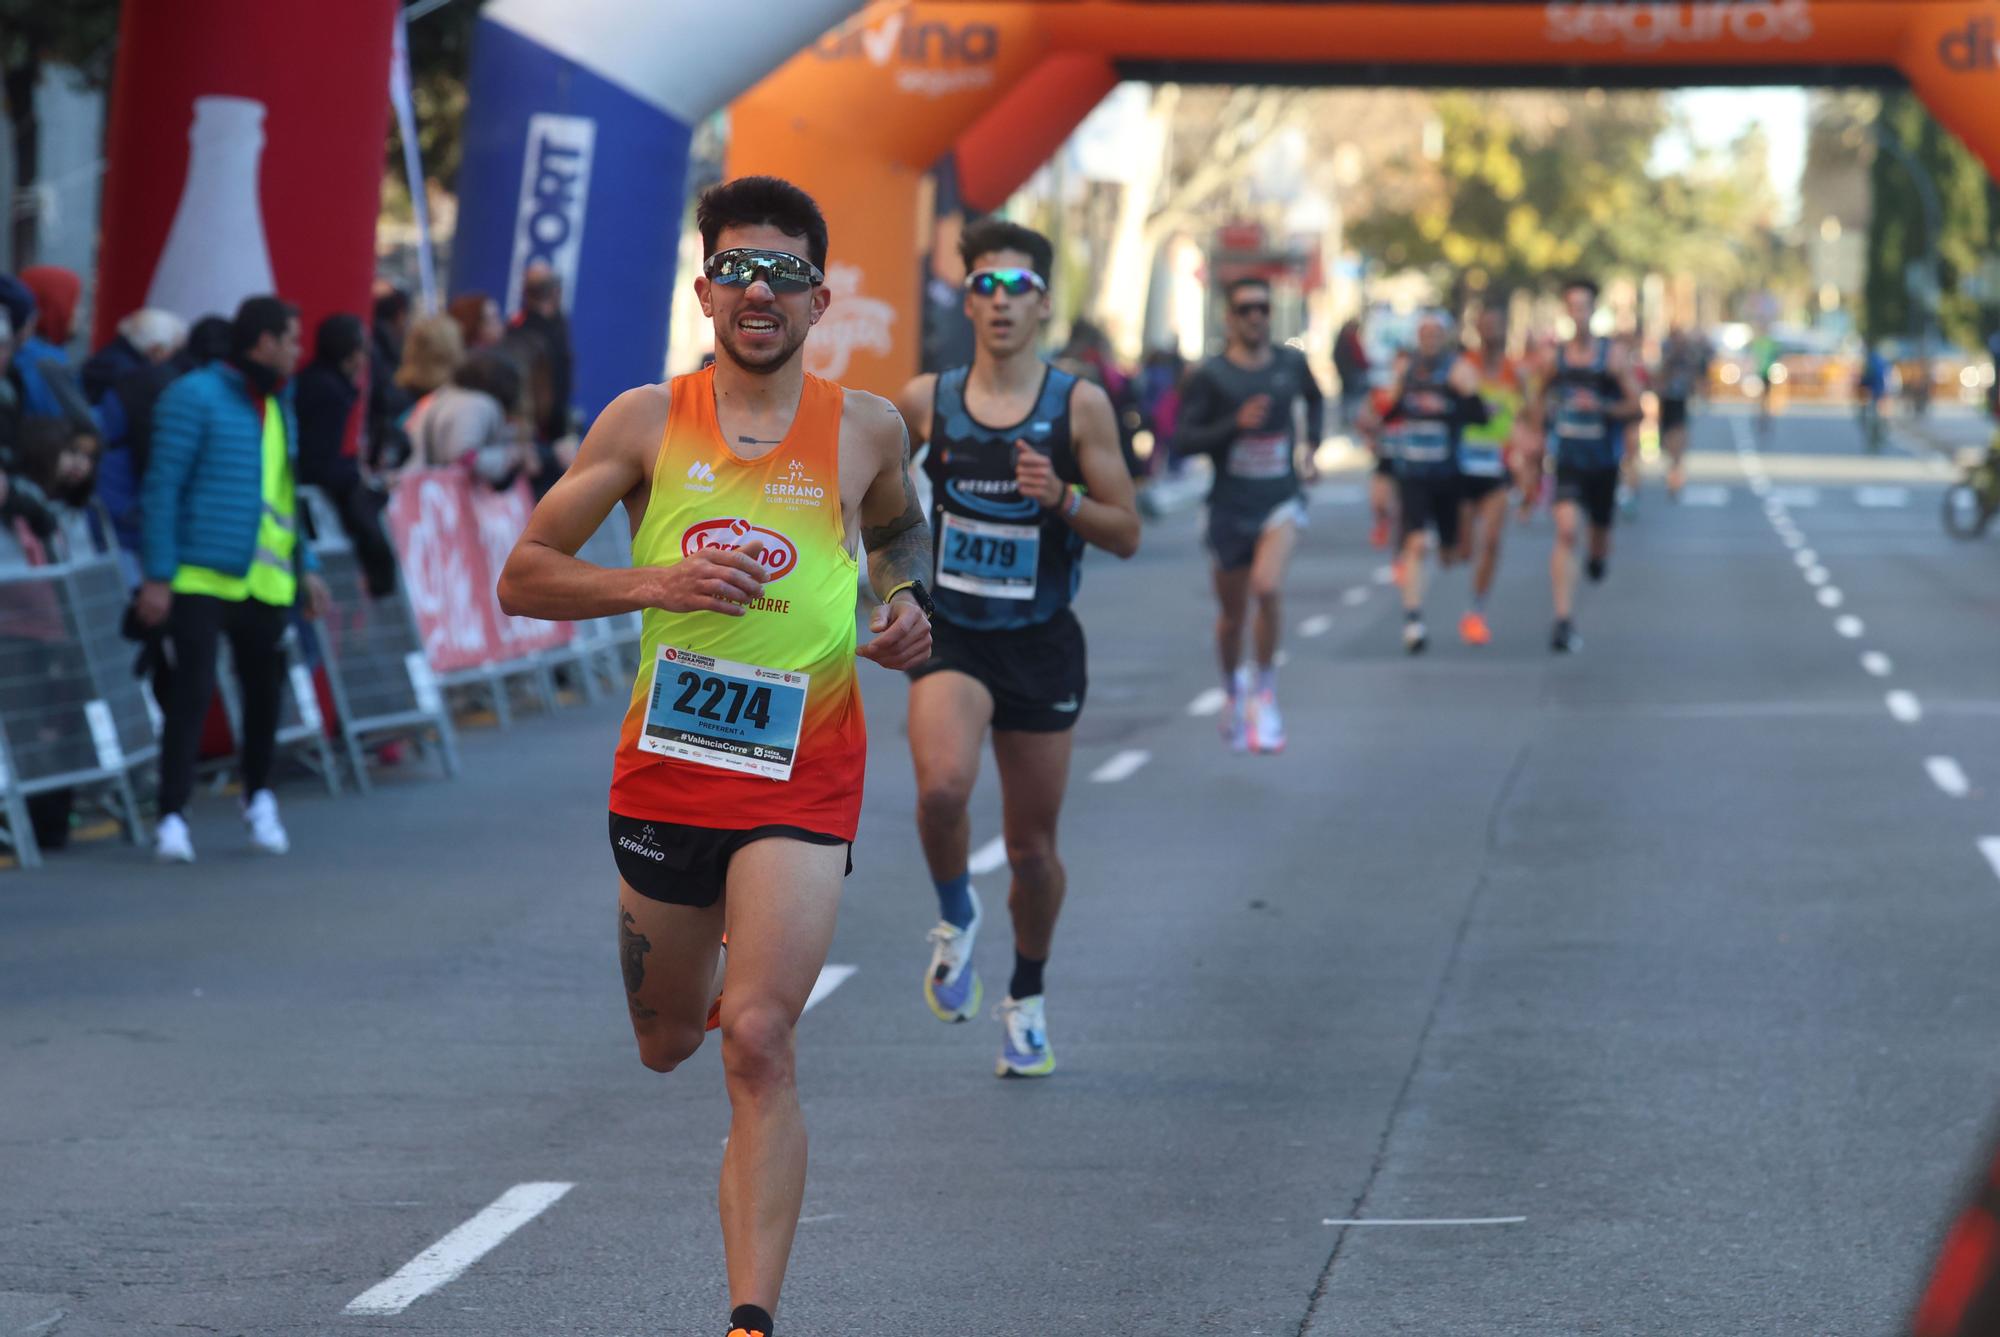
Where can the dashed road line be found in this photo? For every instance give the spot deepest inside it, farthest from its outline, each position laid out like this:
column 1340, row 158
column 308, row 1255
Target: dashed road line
column 988, row 858
column 1850, row 626
column 1355, row 597
column 1799, row 498
column 1121, row 767
column 1424, row 1221
column 1705, row 495
column 1990, row 847
column 1948, row 775
column 1385, row 575
column 1319, row 624
column 1877, row 663
column 1904, row 706
column 1817, row 575
column 1806, row 558
column 1830, row 597
column 1882, row 498
column 1209, row 702
column 445, row 1261
column 831, row 977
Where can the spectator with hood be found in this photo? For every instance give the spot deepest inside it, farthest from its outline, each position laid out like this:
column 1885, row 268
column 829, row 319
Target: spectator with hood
column 329, row 388
column 47, row 379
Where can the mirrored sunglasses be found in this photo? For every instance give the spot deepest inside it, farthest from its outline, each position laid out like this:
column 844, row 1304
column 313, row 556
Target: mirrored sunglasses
column 1013, row 282
column 785, row 272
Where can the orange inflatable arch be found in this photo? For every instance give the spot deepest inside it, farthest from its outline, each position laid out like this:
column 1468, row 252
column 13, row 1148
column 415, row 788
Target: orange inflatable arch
column 859, row 117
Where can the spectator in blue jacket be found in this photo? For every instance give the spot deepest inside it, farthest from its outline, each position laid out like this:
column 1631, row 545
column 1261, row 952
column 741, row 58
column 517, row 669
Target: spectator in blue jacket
column 222, row 555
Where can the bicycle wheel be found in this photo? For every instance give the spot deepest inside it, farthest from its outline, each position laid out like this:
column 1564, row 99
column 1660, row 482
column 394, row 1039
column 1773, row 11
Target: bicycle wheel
column 1966, row 514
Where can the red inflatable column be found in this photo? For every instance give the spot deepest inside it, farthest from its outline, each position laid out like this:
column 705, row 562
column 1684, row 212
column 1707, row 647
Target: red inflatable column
column 245, row 155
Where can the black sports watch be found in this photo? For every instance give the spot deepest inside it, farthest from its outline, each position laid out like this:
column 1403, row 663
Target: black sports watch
column 919, row 592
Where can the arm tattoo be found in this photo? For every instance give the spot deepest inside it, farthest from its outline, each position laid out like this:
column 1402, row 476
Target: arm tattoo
column 632, row 949
column 900, row 550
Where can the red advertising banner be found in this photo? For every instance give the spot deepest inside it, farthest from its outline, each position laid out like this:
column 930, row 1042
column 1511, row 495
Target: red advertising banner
column 453, row 537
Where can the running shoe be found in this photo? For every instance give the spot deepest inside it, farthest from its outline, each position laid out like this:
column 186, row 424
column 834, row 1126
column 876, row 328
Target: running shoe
column 1415, row 638
column 1235, row 714
column 267, row 833
column 1378, row 537
column 1267, row 726
column 1564, row 640
column 1472, row 629
column 1025, row 1051
column 746, row 1332
column 1595, row 569
column 951, row 985
column 171, row 842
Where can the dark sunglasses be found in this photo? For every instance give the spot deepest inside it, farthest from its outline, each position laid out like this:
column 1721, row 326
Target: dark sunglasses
column 785, row 272
column 1013, row 282
column 1252, row 309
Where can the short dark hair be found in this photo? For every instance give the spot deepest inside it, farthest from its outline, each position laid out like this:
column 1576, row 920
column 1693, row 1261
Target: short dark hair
column 491, row 373
column 1584, row 281
column 339, row 337
column 1236, row 285
column 391, row 305
column 753, row 201
column 209, row 339
column 989, row 236
column 257, row 317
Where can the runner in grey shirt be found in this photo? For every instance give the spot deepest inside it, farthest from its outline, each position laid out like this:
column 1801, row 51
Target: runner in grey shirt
column 1239, row 409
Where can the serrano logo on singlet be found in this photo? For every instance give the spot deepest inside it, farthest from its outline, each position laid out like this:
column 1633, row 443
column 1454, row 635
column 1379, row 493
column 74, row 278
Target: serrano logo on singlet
column 780, row 553
column 798, row 489
column 1648, row 25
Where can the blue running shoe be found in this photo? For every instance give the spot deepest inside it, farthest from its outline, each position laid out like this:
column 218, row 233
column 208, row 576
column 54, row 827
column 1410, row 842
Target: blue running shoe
column 1025, row 1052
column 951, row 985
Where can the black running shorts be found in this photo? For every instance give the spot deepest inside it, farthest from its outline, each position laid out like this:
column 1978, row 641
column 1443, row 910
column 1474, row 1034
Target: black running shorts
column 1596, row 490
column 1476, row 488
column 1035, row 675
column 1673, row 414
column 689, row 865
column 1428, row 503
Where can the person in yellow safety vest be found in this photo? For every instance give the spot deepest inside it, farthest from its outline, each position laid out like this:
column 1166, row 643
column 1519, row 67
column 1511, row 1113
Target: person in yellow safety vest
column 222, row 556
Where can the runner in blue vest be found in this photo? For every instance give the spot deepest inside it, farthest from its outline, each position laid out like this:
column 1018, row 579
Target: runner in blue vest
column 1589, row 398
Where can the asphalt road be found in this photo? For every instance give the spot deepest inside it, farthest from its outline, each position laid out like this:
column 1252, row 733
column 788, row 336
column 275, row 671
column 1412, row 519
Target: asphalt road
column 1667, row 969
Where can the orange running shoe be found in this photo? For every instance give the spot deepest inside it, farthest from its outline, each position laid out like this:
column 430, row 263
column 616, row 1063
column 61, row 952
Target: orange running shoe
column 1473, row 629
column 1378, row 537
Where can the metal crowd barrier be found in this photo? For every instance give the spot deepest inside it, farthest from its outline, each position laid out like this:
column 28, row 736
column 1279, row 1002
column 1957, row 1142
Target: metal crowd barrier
column 382, row 686
column 72, row 713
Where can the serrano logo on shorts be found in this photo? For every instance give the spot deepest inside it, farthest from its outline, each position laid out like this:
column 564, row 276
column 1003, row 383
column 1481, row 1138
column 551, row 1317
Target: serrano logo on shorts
column 780, row 553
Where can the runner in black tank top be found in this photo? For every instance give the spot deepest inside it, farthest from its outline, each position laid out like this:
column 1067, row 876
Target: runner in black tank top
column 1026, row 472
column 1588, row 400
column 1436, row 397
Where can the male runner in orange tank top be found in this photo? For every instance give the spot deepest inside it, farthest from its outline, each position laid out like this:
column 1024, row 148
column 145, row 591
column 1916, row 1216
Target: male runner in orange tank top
column 737, row 786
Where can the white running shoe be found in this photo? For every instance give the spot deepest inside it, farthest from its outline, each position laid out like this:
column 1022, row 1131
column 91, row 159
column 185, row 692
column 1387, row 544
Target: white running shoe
column 1025, row 1052
column 1415, row 638
column 1267, row 726
column 171, row 842
column 951, row 985
column 1236, row 714
column 267, row 833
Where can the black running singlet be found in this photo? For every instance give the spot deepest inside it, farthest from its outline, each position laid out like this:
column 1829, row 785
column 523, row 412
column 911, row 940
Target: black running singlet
column 1002, row 561
column 1425, row 422
column 1581, row 431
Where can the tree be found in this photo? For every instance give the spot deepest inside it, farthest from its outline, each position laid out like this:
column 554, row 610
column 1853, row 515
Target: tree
column 1899, row 231
column 34, row 34
column 440, row 41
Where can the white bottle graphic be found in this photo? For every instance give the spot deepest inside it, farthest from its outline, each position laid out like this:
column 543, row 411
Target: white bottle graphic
column 216, row 254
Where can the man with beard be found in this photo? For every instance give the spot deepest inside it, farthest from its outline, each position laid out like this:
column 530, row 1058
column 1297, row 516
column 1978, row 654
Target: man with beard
column 1025, row 473
column 736, row 789
column 1240, row 408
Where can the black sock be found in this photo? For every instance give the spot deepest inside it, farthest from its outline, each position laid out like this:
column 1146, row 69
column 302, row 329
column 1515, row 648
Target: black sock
column 1027, row 981
column 750, row 1319
column 1596, row 568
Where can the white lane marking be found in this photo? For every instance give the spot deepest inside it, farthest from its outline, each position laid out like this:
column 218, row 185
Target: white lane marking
column 1990, row 847
column 1282, row 658
column 1705, row 495
column 1882, row 498
column 1121, row 767
column 830, row 978
column 1801, row 497
column 1426, row 1220
column 1355, row 597
column 823, row 1216
column 1817, row 575
column 988, row 858
column 1760, row 484
column 1209, row 702
column 1877, row 663
column 1385, row 575
column 444, row 1261
column 1319, row 624
column 1850, row 626
column 1829, row 597
column 1805, row 557
column 1948, row 775
column 1793, row 539
column 1904, row 706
